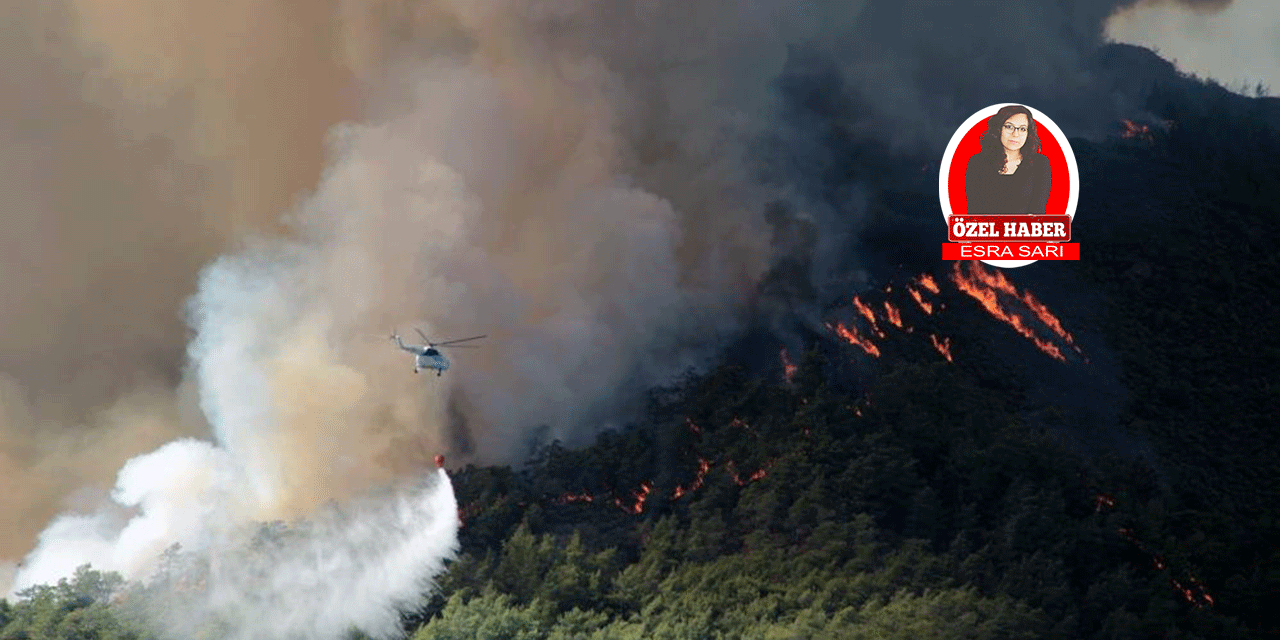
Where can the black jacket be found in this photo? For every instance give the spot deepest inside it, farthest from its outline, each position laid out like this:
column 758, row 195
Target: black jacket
column 1023, row 191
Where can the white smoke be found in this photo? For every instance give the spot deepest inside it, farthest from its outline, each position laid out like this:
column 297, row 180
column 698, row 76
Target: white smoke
column 358, row 566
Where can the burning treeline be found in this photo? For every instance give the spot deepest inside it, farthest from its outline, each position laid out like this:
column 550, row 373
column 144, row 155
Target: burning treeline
column 870, row 323
column 634, row 501
column 1025, row 315
column 897, row 311
column 1189, row 588
column 903, row 310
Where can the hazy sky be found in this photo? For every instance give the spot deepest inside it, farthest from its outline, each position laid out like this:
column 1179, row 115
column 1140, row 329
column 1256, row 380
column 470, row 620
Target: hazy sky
column 1238, row 45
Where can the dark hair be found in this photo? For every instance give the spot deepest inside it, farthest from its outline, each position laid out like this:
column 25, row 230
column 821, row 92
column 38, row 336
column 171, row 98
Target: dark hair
column 992, row 153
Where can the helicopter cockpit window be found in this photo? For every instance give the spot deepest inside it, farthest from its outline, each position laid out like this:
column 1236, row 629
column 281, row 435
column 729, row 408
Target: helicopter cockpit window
column 432, row 352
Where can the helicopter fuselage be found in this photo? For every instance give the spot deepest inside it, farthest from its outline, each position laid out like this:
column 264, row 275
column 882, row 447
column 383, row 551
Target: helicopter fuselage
column 430, row 359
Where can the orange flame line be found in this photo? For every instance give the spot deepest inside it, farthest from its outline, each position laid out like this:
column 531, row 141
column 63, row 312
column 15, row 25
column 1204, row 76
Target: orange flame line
column 927, row 281
column 739, row 480
column 704, row 466
column 894, row 316
column 851, row 336
column 919, row 298
column 573, row 497
column 997, row 280
column 869, row 315
column 989, row 300
column 943, row 346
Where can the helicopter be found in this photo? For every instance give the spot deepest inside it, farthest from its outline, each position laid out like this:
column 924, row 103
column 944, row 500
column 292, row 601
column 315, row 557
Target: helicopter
column 428, row 356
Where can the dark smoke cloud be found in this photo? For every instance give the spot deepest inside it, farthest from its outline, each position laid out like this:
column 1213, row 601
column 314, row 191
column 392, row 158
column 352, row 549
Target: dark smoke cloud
column 583, row 183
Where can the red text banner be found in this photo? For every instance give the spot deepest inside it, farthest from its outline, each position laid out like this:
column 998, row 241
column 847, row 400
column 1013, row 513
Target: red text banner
column 1000, row 228
column 1011, row 250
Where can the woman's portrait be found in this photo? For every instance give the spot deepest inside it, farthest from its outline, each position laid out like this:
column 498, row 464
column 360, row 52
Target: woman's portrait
column 1009, row 175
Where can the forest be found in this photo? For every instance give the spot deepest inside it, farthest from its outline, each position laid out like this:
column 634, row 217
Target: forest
column 934, row 497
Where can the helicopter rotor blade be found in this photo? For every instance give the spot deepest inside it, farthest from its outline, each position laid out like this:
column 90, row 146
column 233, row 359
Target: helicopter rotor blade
column 461, row 346
column 460, row 340
column 424, row 336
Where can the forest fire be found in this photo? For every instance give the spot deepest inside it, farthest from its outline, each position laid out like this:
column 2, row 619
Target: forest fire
column 641, row 497
column 925, row 305
column 788, row 369
column 926, row 280
column 739, row 480
column 894, row 316
column 943, row 346
column 704, row 466
column 996, row 280
column 869, row 315
column 1192, row 591
column 1133, row 130
column 985, row 288
column 570, row 498
column 851, row 336
column 1103, row 501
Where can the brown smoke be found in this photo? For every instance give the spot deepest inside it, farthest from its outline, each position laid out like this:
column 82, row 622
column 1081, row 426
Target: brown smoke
column 140, row 140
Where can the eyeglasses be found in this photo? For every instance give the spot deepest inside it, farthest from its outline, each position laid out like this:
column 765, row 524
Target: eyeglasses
column 1012, row 129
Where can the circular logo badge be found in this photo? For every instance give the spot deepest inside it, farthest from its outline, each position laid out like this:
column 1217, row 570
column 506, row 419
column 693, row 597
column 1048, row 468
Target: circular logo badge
column 1042, row 138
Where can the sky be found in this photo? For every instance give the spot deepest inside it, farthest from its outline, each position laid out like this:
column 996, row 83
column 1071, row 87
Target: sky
column 1237, row 46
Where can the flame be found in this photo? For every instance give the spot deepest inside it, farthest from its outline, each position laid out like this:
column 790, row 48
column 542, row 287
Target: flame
column 1135, row 130
column 1102, row 501
column 943, row 346
column 919, row 298
column 997, row 280
column 1195, row 594
column 640, row 495
column 704, row 466
column 570, row 498
column 894, row 316
column 739, row 480
column 866, row 313
column 852, row 337
column 984, row 288
column 788, row 369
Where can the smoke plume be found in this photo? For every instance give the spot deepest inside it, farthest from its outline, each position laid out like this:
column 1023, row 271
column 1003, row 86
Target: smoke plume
column 584, row 184
column 358, row 566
